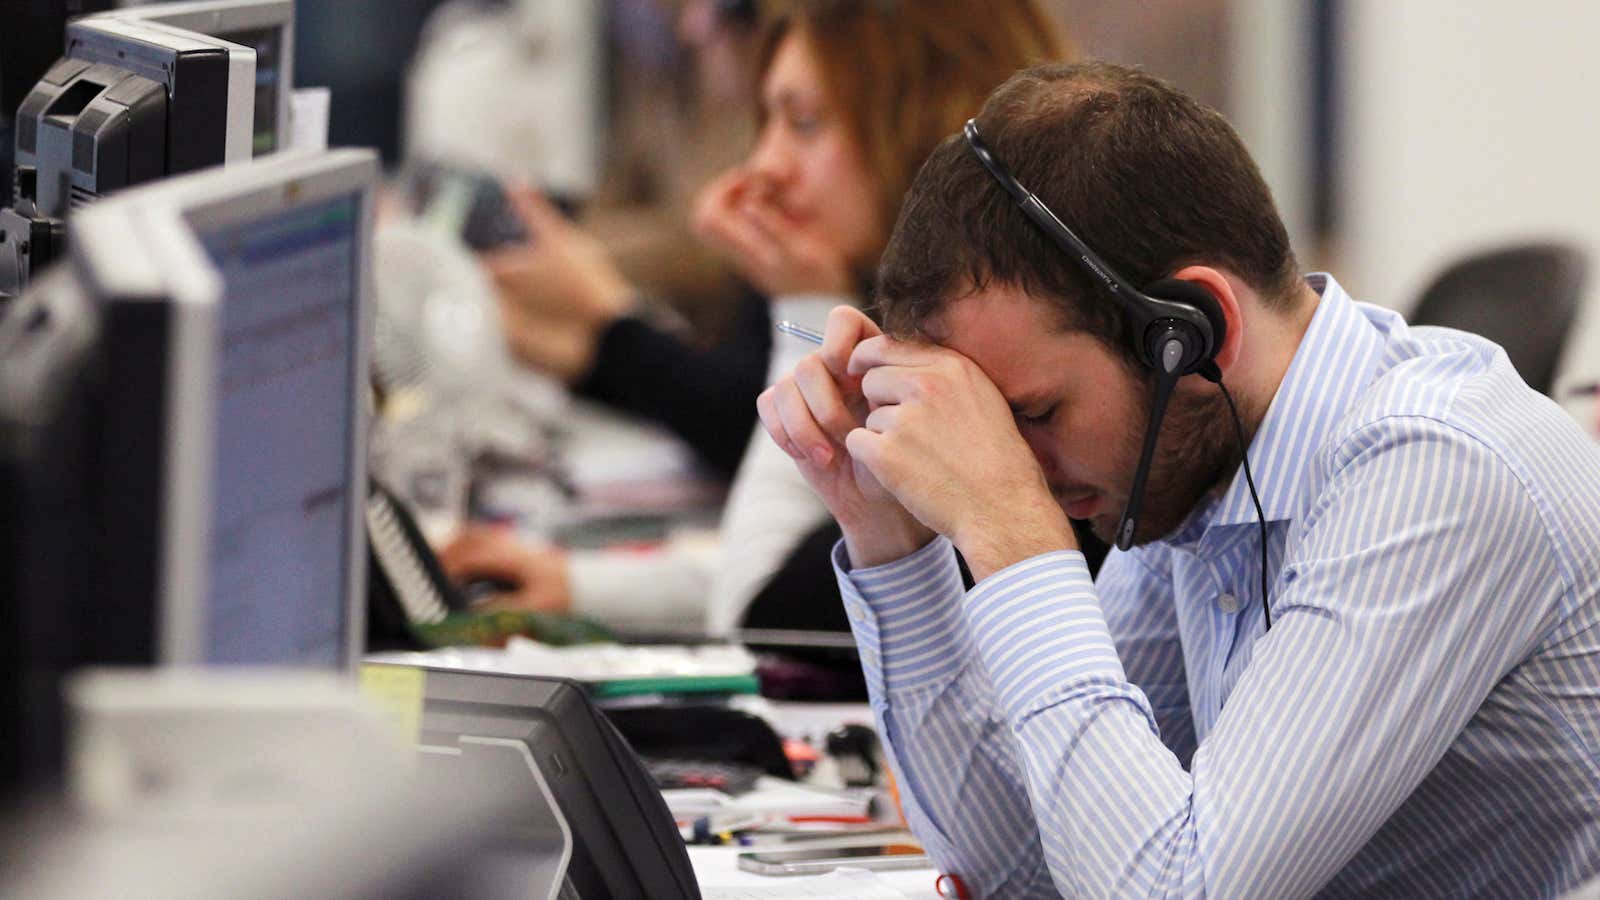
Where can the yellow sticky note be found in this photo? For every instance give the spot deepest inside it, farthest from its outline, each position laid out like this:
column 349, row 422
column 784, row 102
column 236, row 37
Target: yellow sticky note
column 397, row 692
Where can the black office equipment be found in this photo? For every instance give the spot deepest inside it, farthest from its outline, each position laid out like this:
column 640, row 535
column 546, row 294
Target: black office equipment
column 705, row 729
column 29, row 44
column 625, row 843
column 87, row 128
column 127, row 103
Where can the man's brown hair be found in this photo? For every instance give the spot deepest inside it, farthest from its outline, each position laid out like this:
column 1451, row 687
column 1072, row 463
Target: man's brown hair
column 906, row 72
column 1148, row 177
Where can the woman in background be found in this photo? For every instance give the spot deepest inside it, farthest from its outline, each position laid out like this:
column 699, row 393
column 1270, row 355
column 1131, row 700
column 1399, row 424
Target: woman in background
column 854, row 95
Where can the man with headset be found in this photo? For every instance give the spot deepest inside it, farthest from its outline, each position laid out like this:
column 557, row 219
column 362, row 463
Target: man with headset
column 1366, row 661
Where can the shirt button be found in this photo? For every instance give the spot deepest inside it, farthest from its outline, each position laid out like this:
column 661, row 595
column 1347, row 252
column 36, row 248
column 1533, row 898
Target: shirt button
column 856, row 615
column 869, row 657
column 1228, row 603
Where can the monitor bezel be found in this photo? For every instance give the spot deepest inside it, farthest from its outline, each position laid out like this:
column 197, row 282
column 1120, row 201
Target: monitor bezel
column 220, row 198
column 212, row 16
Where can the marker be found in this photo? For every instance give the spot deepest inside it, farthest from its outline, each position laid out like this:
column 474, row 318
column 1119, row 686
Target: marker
column 799, row 331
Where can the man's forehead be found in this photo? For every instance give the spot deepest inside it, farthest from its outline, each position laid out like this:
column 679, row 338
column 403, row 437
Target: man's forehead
column 996, row 312
column 1017, row 339
column 973, row 306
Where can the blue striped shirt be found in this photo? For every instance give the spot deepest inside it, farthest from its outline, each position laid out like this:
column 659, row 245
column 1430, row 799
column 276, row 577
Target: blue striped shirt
column 1423, row 719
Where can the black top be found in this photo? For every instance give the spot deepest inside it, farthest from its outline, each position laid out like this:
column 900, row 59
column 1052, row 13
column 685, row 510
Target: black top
column 707, row 397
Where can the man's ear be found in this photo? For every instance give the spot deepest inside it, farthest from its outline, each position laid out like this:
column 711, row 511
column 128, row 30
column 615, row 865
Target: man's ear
column 1217, row 284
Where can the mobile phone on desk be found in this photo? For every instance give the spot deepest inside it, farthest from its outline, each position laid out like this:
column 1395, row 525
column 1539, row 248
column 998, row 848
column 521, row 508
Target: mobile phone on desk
column 821, row 860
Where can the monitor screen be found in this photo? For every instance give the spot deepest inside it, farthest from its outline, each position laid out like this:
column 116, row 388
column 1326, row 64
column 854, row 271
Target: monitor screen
column 280, row 537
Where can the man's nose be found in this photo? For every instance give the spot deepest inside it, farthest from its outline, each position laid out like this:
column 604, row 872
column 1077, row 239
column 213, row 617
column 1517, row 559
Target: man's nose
column 1041, row 454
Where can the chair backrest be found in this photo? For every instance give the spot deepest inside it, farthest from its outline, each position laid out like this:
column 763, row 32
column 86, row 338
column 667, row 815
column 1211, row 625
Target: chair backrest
column 1522, row 297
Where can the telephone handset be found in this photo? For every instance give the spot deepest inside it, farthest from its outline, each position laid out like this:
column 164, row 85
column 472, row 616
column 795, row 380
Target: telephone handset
column 406, row 584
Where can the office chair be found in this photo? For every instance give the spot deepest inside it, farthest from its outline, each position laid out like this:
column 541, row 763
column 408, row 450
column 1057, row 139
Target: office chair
column 1523, row 297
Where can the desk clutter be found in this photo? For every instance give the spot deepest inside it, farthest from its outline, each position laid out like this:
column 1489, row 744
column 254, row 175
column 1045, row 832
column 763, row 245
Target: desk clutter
column 599, row 769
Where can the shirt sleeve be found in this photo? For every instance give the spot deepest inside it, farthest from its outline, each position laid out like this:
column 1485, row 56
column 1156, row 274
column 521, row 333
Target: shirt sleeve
column 960, row 782
column 1391, row 625
column 1143, row 621
column 607, row 585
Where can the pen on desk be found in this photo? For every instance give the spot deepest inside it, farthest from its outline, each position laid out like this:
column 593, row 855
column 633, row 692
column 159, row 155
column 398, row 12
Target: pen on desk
column 799, row 331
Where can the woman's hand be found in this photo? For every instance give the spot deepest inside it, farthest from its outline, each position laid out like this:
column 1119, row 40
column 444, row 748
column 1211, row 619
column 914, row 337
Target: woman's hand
column 539, row 576
column 558, row 291
column 736, row 216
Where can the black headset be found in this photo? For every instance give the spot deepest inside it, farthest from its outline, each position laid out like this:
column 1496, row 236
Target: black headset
column 1177, row 328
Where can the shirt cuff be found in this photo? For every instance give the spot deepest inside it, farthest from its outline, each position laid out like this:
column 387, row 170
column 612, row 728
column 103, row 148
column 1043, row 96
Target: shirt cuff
column 1040, row 631
column 907, row 617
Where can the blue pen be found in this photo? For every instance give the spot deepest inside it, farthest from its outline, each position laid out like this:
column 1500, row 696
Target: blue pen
column 799, row 331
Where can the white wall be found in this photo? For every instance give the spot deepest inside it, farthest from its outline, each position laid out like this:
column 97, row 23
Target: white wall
column 1468, row 122
column 1269, row 103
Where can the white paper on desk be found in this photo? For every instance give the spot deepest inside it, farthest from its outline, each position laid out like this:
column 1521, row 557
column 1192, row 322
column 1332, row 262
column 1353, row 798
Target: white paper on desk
column 780, row 797
column 841, row 884
column 586, row 662
column 771, row 797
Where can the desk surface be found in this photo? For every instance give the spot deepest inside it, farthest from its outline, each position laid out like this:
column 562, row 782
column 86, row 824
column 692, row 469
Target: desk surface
column 717, row 867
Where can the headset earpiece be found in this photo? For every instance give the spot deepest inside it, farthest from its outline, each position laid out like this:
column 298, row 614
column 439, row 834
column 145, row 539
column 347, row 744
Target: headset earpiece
column 1189, row 293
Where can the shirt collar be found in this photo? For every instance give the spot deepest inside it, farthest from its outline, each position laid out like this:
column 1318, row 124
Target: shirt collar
column 1336, row 359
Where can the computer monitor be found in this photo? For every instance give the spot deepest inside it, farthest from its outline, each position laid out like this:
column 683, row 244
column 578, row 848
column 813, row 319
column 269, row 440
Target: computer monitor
column 267, row 26
column 290, row 239
column 182, row 438
column 624, row 842
column 104, row 409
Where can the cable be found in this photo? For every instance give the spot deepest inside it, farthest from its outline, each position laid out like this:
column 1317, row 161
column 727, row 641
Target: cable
column 1261, row 517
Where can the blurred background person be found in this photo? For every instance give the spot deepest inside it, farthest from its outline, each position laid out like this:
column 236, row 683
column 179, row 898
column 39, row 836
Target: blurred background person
column 854, row 95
